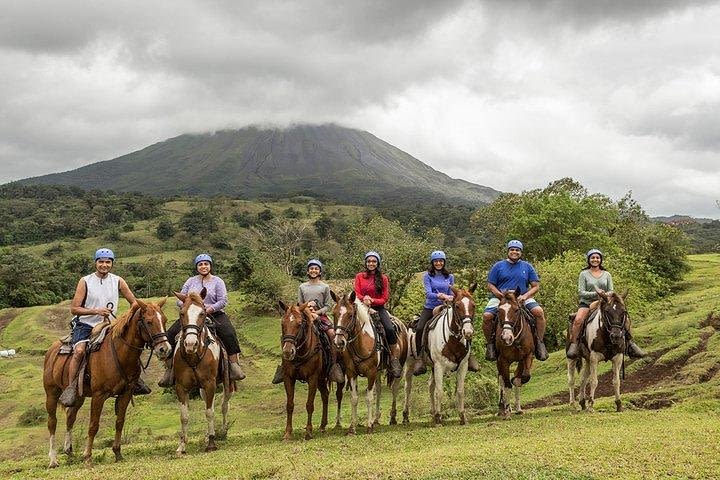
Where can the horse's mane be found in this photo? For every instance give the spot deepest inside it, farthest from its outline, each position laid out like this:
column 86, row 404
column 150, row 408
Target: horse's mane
column 613, row 297
column 363, row 311
column 119, row 325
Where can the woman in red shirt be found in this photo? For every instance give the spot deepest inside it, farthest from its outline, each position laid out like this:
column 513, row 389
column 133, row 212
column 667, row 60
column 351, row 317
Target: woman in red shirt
column 373, row 289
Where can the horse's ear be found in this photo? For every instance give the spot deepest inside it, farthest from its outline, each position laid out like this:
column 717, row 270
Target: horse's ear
column 454, row 290
column 334, row 296
column 352, row 297
column 624, row 294
column 141, row 304
column 181, row 296
column 472, row 287
column 162, row 302
column 282, row 307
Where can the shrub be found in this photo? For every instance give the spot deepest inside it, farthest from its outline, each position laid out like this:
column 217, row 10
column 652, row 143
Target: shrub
column 32, row 416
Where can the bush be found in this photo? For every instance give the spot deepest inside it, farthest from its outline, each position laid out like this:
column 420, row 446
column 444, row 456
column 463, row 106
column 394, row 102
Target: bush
column 265, row 285
column 165, row 230
column 32, row 416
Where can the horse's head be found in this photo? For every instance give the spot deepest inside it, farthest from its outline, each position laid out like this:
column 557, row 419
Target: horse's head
column 345, row 312
column 509, row 317
column 464, row 306
column 192, row 320
column 614, row 316
column 152, row 326
column 294, row 324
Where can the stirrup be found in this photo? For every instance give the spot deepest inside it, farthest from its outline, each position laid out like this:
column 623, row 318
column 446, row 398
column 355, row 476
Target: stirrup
column 141, row 388
column 572, row 351
column 419, row 367
column 336, row 374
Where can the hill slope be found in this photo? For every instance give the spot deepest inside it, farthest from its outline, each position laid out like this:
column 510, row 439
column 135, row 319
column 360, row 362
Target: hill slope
column 326, row 160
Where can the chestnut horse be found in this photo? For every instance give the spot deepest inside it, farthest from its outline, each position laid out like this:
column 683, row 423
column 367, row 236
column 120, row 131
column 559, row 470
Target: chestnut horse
column 197, row 359
column 515, row 342
column 604, row 339
column 302, row 359
column 357, row 338
column 113, row 369
column 449, row 345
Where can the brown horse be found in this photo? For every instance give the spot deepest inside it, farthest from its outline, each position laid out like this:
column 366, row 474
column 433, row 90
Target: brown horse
column 197, row 359
column 302, row 359
column 113, row 370
column 515, row 342
column 604, row 339
column 449, row 344
column 357, row 339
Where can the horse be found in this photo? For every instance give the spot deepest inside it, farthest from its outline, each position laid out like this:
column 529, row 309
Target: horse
column 196, row 363
column 113, row 370
column 448, row 339
column 357, row 339
column 515, row 342
column 303, row 359
column 604, row 339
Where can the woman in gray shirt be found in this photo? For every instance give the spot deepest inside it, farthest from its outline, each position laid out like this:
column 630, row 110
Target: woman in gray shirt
column 593, row 279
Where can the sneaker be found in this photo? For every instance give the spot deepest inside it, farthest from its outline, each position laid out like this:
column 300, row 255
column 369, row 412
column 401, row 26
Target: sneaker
column 236, row 372
column 141, row 388
column 395, row 368
column 572, row 351
column 336, row 374
column 279, row 375
column 634, row 351
column 69, row 395
column 490, row 352
column 540, row 351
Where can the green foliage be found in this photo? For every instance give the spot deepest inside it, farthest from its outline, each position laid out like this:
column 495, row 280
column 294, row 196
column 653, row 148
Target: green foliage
column 198, row 221
column 242, row 267
column 26, row 281
column 32, row 416
column 165, row 230
column 265, row 284
column 704, row 237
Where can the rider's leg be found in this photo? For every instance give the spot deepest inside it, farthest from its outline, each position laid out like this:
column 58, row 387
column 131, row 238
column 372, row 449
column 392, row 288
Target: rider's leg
column 168, row 379
column 633, row 350
column 425, row 315
column 391, row 335
column 336, row 373
column 577, row 324
column 228, row 335
column 540, row 350
column 69, row 395
column 489, row 333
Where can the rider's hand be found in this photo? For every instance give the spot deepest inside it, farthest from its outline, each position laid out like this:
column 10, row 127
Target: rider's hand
column 209, row 310
column 104, row 312
column 367, row 300
column 449, row 298
column 521, row 298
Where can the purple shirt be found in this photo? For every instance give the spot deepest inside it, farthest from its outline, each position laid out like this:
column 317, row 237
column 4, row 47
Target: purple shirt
column 216, row 296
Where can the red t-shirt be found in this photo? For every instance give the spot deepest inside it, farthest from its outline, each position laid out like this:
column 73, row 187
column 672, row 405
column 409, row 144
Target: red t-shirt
column 365, row 285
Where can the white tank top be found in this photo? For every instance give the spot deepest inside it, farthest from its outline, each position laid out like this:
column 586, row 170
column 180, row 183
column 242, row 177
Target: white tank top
column 100, row 292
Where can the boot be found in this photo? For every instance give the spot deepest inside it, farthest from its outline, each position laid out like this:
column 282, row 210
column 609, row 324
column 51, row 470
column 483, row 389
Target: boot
column 572, row 351
column 279, row 375
column 541, row 352
column 473, row 365
column 141, row 388
column 236, row 372
column 168, row 379
column 394, row 367
column 69, row 395
column 490, row 351
column 336, row 374
column 419, row 366
column 634, row 351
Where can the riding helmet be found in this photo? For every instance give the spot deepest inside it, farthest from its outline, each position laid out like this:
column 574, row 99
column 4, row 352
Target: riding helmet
column 203, row 257
column 104, row 253
column 515, row 244
column 592, row 252
column 315, row 261
column 437, row 255
column 372, row 253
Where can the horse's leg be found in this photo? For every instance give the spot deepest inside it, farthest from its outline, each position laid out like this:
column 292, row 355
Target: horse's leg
column 370, row 398
column 182, row 395
column 324, row 396
column 593, row 380
column 431, row 391
column 395, row 389
column 95, row 410
column 617, row 364
column 571, row 380
column 377, row 390
column 353, row 405
column 225, row 407
column 51, row 401
column 310, row 405
column 460, row 391
column 289, row 405
column 408, row 390
column 438, row 375
column 70, row 416
column 339, row 396
column 210, row 414
column 584, row 380
column 121, row 405
column 504, row 384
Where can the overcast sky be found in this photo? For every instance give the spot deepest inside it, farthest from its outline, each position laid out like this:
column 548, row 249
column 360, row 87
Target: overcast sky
column 619, row 94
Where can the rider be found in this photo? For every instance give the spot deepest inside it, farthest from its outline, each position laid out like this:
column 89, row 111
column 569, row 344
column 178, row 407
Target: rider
column 317, row 293
column 510, row 274
column 437, row 282
column 593, row 279
column 95, row 300
column 215, row 300
column 373, row 289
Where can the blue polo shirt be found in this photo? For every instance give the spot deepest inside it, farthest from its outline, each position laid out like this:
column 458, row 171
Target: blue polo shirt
column 506, row 275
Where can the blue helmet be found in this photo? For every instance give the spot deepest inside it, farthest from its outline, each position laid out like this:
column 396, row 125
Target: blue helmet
column 372, row 253
column 104, row 253
column 315, row 261
column 203, row 257
column 437, row 255
column 593, row 251
column 515, row 244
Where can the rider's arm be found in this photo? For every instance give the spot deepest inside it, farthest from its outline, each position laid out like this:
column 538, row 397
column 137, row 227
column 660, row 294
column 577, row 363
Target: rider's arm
column 585, row 295
column 221, row 295
column 610, row 285
column 76, row 307
column 534, row 287
column 358, row 290
column 126, row 292
column 385, row 295
column 184, row 290
column 494, row 290
column 429, row 294
column 326, row 302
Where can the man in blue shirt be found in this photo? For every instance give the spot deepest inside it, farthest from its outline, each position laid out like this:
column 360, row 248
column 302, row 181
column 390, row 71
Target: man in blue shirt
column 513, row 274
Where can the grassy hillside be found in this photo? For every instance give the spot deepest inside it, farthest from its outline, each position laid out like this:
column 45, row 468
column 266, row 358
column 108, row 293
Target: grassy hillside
column 670, row 427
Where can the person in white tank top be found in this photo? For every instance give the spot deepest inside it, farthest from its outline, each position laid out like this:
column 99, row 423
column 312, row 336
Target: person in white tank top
column 96, row 298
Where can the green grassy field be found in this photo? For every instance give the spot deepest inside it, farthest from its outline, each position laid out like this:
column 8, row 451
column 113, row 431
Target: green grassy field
column 670, row 428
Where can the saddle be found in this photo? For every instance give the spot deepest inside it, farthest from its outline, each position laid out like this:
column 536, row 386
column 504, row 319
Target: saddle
column 99, row 332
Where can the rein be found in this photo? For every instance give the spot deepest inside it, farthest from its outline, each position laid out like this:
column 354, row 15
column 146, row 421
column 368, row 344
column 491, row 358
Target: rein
column 198, row 331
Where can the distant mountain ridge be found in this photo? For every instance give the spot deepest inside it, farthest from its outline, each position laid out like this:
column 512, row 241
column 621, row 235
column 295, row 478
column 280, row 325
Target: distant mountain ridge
column 329, row 161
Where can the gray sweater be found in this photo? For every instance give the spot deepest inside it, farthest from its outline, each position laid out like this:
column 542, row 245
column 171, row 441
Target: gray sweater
column 320, row 292
column 587, row 284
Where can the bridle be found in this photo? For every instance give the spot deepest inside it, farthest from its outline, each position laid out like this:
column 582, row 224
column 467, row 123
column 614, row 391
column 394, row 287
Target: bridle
column 299, row 341
column 352, row 329
column 518, row 323
column 197, row 330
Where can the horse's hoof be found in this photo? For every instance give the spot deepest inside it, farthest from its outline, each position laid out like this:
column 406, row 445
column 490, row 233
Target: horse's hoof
column 322, row 428
column 406, row 418
column 519, row 412
column 118, row 458
column 211, row 448
column 287, row 437
column 618, row 406
column 370, row 429
column 68, row 451
column 308, row 436
column 54, row 464
column 376, row 423
column 351, row 431
column 179, row 453
column 437, row 420
column 583, row 405
column 463, row 421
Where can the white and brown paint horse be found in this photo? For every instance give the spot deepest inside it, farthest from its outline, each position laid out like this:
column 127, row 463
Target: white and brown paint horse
column 449, row 345
column 604, row 340
column 357, row 339
column 196, row 362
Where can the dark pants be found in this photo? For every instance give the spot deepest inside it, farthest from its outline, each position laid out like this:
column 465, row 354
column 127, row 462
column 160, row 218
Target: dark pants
column 390, row 332
column 223, row 327
column 422, row 320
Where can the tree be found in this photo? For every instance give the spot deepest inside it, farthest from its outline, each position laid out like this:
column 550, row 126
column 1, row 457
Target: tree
column 165, row 230
column 198, row 220
column 282, row 238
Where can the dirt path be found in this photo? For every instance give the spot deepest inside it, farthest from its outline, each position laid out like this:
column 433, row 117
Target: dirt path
column 6, row 317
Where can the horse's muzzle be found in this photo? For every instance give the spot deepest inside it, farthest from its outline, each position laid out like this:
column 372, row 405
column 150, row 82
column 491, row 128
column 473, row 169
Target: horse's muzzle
column 288, row 351
column 340, row 342
column 162, row 350
column 191, row 344
column 507, row 337
column 468, row 331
